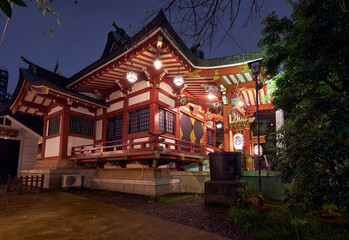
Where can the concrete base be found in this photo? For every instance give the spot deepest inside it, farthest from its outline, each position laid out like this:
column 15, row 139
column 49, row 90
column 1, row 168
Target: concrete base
column 53, row 177
column 57, row 164
column 191, row 182
column 130, row 173
column 148, row 187
column 223, row 192
column 149, row 181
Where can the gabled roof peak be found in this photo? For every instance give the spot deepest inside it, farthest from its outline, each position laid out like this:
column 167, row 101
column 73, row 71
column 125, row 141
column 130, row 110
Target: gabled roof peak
column 40, row 71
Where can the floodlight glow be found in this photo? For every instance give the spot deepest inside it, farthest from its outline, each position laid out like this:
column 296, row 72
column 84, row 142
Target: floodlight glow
column 211, row 96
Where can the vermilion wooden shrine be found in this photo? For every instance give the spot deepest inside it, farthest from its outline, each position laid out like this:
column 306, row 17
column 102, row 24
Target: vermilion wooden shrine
column 100, row 117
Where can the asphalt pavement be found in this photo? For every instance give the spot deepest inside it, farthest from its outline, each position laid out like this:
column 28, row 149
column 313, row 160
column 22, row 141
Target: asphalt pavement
column 60, row 215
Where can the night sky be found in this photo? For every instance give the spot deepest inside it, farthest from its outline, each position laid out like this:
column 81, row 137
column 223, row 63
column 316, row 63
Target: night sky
column 81, row 38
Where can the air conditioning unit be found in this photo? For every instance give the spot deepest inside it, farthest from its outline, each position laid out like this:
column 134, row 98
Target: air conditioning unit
column 71, row 181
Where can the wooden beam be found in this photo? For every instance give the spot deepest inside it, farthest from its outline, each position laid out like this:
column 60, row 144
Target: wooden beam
column 39, row 107
column 261, row 107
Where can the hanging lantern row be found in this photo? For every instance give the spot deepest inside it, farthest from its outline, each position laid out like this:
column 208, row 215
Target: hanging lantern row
column 131, row 76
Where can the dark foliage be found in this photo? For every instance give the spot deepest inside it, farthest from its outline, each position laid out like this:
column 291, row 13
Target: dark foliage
column 313, row 151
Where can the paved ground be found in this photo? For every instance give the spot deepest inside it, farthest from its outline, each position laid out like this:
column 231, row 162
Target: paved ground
column 59, row 215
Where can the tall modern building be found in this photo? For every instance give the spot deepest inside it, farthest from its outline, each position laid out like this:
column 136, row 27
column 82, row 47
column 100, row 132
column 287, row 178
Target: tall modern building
column 3, row 84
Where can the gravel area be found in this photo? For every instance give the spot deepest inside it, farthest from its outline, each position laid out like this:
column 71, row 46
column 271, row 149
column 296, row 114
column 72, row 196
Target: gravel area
column 187, row 209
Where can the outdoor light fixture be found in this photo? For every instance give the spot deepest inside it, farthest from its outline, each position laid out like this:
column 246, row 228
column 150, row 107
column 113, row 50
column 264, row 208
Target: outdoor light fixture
column 131, row 76
column 256, row 152
column 241, row 104
column 178, row 80
column 157, row 63
column 239, row 141
column 211, row 96
column 219, row 125
column 256, row 69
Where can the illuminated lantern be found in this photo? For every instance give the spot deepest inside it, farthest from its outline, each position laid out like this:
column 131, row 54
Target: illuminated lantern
column 131, row 76
column 239, row 141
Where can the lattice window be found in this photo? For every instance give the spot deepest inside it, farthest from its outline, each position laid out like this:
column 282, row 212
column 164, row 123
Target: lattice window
column 81, row 126
column 209, row 137
column 53, row 126
column 139, row 120
column 114, row 128
column 166, row 121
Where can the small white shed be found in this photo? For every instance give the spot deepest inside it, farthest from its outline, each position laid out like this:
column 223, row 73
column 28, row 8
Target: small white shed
column 18, row 143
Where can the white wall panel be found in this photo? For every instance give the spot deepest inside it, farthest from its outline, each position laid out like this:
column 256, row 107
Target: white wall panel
column 166, row 100
column 139, row 98
column 99, row 129
column 166, row 87
column 77, row 141
column 115, row 95
column 139, row 86
column 169, row 141
column 140, row 140
column 82, row 110
column 54, row 110
column 209, row 124
column 116, row 106
column 99, row 111
column 52, row 146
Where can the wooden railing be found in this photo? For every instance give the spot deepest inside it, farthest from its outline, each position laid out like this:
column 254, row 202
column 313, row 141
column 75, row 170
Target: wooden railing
column 156, row 142
column 27, row 184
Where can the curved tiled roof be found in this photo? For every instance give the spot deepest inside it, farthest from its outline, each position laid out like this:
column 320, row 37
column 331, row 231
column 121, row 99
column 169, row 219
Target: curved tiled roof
column 160, row 21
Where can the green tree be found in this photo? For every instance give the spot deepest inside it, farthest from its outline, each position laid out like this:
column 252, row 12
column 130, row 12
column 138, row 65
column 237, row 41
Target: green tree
column 5, row 6
column 312, row 48
column 44, row 6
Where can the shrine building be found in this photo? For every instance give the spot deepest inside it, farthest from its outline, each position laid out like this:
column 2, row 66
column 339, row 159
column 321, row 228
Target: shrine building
column 149, row 102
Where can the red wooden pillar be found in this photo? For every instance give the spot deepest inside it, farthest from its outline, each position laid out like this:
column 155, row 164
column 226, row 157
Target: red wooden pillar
column 154, row 118
column 204, row 139
column 247, row 141
column 125, row 123
column 214, row 133
column 227, row 133
column 154, row 107
column 177, row 127
column 44, row 135
column 65, row 119
column 104, row 126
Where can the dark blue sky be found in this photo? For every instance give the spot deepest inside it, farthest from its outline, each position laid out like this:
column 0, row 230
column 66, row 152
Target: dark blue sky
column 81, row 38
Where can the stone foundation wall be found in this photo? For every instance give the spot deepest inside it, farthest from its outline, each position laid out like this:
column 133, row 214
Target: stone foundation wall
column 149, row 187
column 132, row 173
column 57, row 164
column 149, row 181
column 191, row 182
column 53, row 177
